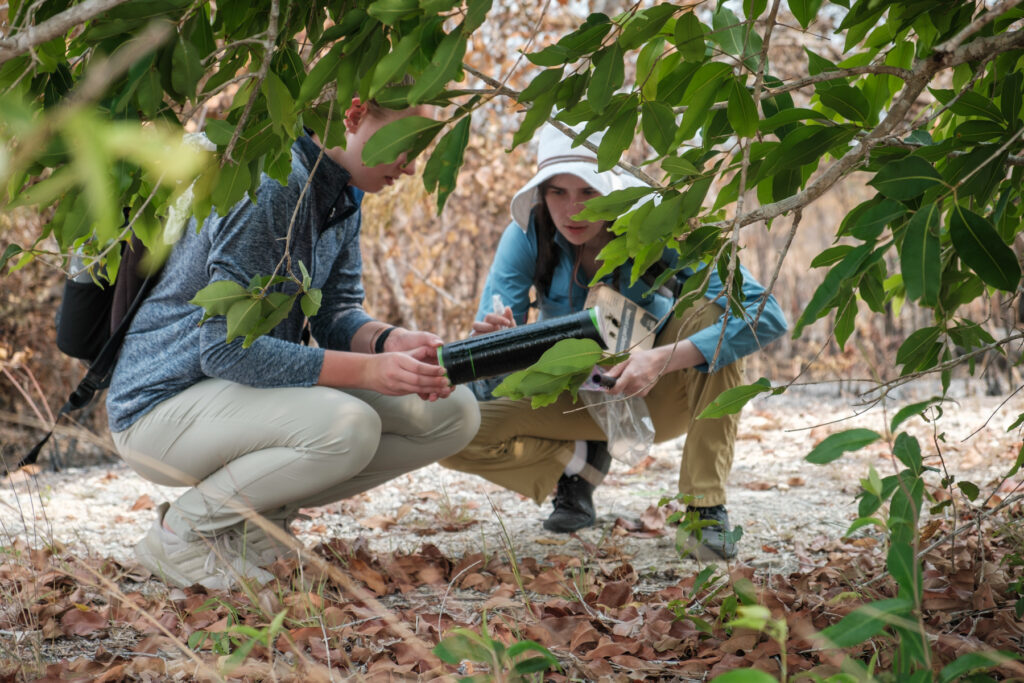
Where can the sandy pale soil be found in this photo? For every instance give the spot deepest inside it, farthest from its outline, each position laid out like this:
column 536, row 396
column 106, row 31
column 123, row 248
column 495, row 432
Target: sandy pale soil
column 790, row 510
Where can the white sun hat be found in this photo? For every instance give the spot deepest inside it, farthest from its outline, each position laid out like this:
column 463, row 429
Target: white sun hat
column 556, row 155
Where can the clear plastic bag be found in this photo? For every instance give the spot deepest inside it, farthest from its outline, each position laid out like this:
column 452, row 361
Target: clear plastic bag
column 625, row 421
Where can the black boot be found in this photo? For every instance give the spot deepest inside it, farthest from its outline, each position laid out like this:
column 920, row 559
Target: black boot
column 714, row 541
column 574, row 499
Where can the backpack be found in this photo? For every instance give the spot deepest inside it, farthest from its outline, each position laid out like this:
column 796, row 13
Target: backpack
column 92, row 321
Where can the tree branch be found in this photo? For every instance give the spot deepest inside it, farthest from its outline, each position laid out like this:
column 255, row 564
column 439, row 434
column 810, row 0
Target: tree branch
column 57, row 25
column 269, row 43
column 956, row 41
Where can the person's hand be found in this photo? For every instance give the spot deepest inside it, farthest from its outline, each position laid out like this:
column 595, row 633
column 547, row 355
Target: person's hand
column 406, row 372
column 493, row 322
column 637, row 375
column 402, row 339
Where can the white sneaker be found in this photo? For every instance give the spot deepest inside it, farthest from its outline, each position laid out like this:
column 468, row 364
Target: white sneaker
column 264, row 545
column 216, row 562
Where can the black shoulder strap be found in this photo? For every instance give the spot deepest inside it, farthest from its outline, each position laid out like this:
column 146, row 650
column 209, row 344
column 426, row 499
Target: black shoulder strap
column 97, row 377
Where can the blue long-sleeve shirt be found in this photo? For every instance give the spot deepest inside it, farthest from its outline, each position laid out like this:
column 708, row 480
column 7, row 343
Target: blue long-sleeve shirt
column 515, row 263
column 166, row 350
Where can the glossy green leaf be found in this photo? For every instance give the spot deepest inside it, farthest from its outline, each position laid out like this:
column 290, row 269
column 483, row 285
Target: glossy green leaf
column 608, row 76
column 906, row 178
column 872, row 221
column 444, row 66
column 847, row 101
column 914, row 409
column 689, row 37
column 389, row 12
column 834, row 445
column 805, row 10
column 218, row 297
column 658, row 123
column 535, row 117
column 974, row 662
column 920, row 259
column 908, row 451
column 644, row 25
column 280, row 104
column 392, row 66
column 919, row 351
column 741, row 110
column 846, row 318
column 542, row 83
column 612, row 205
column 701, row 92
column 732, row 401
column 969, row 489
column 979, row 245
column 188, row 67
column 619, row 136
column 408, row 134
column 442, row 169
column 971, row 103
column 476, row 13
column 829, row 287
column 1010, row 99
column 678, row 167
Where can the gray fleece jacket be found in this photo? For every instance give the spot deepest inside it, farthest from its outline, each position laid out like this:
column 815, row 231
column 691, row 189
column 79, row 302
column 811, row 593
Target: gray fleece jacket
column 166, row 350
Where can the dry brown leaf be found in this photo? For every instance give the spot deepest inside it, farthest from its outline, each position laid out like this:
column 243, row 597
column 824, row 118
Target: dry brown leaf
column 143, row 502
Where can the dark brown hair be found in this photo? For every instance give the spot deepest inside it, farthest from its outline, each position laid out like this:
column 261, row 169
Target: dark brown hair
column 545, row 227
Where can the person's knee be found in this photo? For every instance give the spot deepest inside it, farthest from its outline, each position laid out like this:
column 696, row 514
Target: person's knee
column 344, row 427
column 465, row 416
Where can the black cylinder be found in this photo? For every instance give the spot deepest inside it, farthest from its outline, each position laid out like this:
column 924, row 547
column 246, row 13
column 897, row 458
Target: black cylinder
column 514, row 348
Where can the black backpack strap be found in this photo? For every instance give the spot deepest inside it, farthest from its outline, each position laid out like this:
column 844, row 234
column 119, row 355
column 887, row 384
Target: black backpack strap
column 97, row 378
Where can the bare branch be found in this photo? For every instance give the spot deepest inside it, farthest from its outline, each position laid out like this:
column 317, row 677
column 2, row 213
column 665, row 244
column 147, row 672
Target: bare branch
column 985, row 17
column 57, row 25
column 269, row 43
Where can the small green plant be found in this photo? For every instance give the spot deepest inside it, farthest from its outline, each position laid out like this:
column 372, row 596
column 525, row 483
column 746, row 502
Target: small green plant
column 237, row 640
column 689, row 526
column 524, row 660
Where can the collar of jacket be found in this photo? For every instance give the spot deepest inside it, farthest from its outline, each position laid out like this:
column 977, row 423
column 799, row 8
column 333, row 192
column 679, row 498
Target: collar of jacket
column 329, row 174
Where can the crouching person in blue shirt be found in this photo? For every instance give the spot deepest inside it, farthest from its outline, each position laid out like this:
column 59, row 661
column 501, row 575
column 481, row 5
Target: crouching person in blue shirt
column 695, row 357
column 279, row 425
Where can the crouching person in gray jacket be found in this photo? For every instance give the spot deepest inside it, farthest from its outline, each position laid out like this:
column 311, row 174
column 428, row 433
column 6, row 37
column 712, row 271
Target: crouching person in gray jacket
column 278, row 425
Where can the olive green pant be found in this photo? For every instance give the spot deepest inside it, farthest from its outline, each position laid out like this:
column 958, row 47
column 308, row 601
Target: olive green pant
column 526, row 450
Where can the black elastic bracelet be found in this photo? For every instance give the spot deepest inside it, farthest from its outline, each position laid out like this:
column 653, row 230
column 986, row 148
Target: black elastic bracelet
column 378, row 346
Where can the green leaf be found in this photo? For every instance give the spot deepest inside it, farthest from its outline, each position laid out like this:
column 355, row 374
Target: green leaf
column 805, row 10
column 732, row 400
column 677, row 167
column 542, row 83
column 444, row 66
column 187, row 67
column 242, row 317
column 920, row 258
column 907, row 412
column 871, row 222
column 618, row 137
column 973, row 662
column 847, row 101
column 311, row 302
column 741, row 110
column 971, row 103
column 612, row 205
column 981, row 248
column 865, row 622
column 829, row 287
column 689, row 37
column 644, row 25
column 476, row 12
column 442, row 169
column 233, row 182
column 906, row 178
column 566, row 363
column 10, row 251
column 1010, row 99
column 833, row 446
column 535, row 117
column 280, row 105
column 392, row 66
column 908, row 451
column 217, row 297
column 459, row 647
column 408, row 134
column 919, row 351
column 658, row 123
column 969, row 489
column 846, row 320
column 609, row 73
column 389, row 12
column 700, row 94
column 901, row 563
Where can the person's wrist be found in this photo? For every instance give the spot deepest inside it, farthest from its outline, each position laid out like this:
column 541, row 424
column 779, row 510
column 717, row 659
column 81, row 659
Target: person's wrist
column 382, row 338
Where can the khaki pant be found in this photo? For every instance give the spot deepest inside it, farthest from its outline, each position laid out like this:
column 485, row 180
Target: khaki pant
column 273, row 451
column 526, row 450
